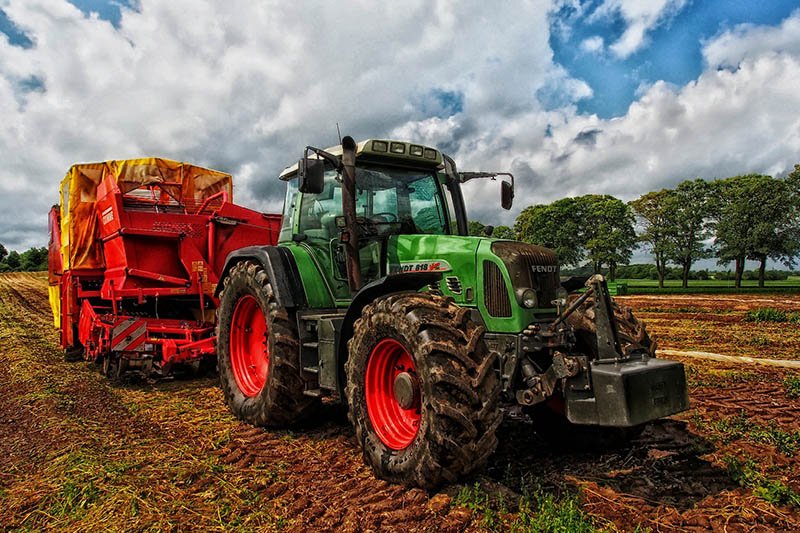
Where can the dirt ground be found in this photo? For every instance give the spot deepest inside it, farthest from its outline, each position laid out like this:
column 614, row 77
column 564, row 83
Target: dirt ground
column 78, row 453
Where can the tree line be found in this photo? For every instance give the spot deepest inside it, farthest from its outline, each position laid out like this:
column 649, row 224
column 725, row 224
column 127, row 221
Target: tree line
column 31, row 260
column 748, row 217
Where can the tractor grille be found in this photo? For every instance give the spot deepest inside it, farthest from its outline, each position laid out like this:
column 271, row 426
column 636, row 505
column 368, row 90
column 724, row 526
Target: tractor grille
column 495, row 291
column 530, row 266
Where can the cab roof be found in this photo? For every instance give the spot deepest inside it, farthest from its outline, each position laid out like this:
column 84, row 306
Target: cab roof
column 403, row 151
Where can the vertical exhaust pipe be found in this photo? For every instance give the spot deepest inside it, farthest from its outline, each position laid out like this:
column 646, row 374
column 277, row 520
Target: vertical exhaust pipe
column 349, row 236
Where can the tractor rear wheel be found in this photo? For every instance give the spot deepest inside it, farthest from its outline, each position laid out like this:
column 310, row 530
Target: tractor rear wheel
column 258, row 352
column 422, row 390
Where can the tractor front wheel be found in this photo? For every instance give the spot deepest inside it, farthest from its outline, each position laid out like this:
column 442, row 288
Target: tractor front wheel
column 258, row 352
column 422, row 390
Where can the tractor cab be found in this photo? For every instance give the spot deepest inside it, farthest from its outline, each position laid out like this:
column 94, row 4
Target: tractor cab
column 398, row 189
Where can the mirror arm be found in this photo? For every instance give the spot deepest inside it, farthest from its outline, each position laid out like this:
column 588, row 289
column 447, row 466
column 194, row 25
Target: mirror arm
column 327, row 156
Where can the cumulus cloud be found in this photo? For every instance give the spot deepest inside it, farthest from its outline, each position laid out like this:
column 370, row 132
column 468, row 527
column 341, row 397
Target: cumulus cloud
column 639, row 17
column 726, row 122
column 242, row 86
column 731, row 47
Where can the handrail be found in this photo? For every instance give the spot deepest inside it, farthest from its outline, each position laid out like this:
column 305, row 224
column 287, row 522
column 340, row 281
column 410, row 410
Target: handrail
column 224, row 195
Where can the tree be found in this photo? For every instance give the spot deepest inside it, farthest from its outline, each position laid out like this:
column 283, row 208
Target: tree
column 12, row 260
column 504, row 232
column 3, row 253
column 608, row 233
column 655, row 218
column 475, row 228
column 757, row 219
column 33, row 259
column 557, row 226
column 690, row 209
column 597, row 227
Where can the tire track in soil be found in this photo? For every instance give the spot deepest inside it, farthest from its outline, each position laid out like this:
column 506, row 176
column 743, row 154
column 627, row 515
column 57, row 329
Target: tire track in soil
column 320, row 471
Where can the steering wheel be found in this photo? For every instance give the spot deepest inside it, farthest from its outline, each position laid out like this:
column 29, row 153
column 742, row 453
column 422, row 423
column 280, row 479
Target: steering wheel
column 391, row 216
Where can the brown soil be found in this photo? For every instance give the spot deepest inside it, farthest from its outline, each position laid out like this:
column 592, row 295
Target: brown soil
column 78, row 453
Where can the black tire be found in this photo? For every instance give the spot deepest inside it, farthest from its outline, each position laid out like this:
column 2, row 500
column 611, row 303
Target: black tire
column 633, row 336
column 458, row 389
column 74, row 354
column 281, row 401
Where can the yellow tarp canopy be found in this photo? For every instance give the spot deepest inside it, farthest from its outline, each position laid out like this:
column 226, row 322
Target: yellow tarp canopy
column 180, row 183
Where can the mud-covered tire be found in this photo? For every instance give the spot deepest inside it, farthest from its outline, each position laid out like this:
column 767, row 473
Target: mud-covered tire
column 458, row 389
column 633, row 336
column 280, row 400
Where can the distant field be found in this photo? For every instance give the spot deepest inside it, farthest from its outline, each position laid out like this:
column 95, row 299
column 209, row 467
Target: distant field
column 673, row 286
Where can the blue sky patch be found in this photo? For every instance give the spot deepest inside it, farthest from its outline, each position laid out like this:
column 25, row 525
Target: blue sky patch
column 673, row 51
column 15, row 35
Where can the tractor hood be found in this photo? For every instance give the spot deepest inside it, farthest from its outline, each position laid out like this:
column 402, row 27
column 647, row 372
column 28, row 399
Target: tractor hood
column 481, row 272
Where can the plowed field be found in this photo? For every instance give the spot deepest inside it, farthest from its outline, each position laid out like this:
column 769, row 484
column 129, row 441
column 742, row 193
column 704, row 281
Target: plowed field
column 78, row 453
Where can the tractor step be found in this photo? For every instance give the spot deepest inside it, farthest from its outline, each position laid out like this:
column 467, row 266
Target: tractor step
column 314, row 393
column 311, row 345
column 311, row 369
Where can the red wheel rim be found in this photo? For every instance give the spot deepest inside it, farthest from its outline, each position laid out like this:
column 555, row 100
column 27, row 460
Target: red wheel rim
column 396, row 427
column 249, row 347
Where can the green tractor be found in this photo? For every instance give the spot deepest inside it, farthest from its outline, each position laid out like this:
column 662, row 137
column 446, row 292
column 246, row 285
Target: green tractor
column 376, row 297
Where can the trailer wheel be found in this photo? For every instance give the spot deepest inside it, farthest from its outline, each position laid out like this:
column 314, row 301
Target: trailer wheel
column 422, row 390
column 258, row 352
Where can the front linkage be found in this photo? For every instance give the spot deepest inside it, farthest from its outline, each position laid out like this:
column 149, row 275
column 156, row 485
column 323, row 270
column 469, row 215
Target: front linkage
column 614, row 381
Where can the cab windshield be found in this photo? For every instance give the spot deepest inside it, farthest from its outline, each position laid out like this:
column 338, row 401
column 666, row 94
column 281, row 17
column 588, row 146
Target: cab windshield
column 388, row 201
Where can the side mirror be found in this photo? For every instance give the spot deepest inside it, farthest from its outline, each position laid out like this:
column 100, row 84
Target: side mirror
column 312, row 175
column 488, row 230
column 506, row 195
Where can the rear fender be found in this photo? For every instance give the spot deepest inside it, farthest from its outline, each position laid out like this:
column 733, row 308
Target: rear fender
column 281, row 268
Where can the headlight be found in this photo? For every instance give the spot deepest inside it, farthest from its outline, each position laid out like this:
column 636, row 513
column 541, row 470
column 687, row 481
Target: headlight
column 561, row 296
column 527, row 298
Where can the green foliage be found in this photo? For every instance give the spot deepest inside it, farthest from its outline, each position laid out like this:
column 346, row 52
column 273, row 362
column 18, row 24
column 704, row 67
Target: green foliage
column 792, row 384
column 504, row 232
column 746, row 474
column 476, row 228
column 594, row 227
column 558, row 226
column 769, row 314
column 757, row 218
column 31, row 260
column 541, row 511
column 652, row 210
column 476, row 499
column 689, row 216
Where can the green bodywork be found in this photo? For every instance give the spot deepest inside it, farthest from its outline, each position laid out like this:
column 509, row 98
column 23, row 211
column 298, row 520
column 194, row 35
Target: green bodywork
column 322, row 270
column 462, row 257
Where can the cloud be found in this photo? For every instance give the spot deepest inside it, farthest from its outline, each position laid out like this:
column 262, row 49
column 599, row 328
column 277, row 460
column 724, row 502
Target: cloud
column 639, row 18
column 243, row 87
column 731, row 47
column 592, row 45
column 724, row 123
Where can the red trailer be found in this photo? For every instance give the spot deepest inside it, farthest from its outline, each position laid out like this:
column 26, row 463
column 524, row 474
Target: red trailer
column 136, row 251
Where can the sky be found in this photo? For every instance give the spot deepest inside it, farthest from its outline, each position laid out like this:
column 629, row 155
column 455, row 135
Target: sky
column 574, row 97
